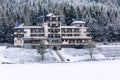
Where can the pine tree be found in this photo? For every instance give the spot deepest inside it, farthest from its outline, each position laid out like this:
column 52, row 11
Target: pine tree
column 69, row 15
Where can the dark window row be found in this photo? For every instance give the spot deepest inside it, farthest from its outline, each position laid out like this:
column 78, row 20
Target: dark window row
column 54, row 25
column 37, row 35
column 53, row 30
column 54, row 36
column 19, row 35
column 19, row 30
column 37, row 30
column 70, row 35
column 53, row 18
column 70, row 30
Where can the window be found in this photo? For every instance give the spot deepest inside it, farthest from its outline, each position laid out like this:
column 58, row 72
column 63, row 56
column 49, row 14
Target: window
column 53, row 25
column 25, row 31
column 76, row 30
column 69, row 30
column 48, row 24
column 63, row 30
column 57, row 35
column 49, row 30
column 63, row 34
column 76, row 34
column 19, row 35
column 50, row 35
column 37, row 30
column 80, row 25
column 69, row 34
column 58, row 18
column 58, row 24
column 54, row 19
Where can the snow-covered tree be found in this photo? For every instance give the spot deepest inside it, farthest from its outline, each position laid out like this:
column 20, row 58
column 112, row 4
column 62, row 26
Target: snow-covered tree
column 99, row 15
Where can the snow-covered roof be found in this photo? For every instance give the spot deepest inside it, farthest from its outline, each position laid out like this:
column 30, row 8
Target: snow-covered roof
column 23, row 26
column 29, row 27
column 34, row 38
column 72, row 27
column 69, row 27
column 75, row 22
column 50, row 14
column 74, row 37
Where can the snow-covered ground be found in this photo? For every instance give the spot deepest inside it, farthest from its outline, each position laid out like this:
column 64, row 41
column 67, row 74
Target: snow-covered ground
column 80, row 54
column 110, row 51
column 21, row 55
column 102, row 70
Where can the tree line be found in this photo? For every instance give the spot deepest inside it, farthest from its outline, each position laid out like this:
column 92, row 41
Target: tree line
column 101, row 19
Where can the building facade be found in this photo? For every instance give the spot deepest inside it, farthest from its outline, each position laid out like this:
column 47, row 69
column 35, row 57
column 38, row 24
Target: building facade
column 52, row 33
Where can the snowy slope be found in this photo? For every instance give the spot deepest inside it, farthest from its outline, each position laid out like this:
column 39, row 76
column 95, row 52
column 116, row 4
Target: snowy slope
column 2, row 48
column 110, row 51
column 21, row 55
column 80, row 54
column 102, row 70
column 3, row 60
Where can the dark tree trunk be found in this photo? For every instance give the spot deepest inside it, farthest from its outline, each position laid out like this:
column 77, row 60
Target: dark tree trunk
column 42, row 57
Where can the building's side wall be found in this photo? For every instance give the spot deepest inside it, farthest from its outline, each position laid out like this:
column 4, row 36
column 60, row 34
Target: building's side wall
column 83, row 31
column 18, row 42
column 18, row 34
column 27, row 32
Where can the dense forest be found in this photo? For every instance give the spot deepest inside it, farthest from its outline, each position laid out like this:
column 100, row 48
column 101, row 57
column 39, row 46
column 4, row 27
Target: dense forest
column 102, row 17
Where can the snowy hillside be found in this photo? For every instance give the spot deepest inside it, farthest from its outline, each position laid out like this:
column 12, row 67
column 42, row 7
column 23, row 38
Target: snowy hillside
column 21, row 55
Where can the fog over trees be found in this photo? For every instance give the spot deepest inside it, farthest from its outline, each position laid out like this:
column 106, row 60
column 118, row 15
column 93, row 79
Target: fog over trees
column 102, row 17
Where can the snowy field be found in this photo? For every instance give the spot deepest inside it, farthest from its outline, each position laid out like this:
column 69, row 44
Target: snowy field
column 102, row 70
column 21, row 55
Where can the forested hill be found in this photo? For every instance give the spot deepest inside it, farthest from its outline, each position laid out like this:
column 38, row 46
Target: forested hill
column 102, row 17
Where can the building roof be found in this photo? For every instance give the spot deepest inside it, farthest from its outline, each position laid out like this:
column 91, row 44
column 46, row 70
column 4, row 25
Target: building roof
column 22, row 26
column 72, row 27
column 25, row 38
column 75, row 37
column 75, row 22
column 50, row 14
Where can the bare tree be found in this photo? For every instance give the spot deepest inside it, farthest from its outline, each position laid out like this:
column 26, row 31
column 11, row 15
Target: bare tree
column 41, row 49
column 90, row 46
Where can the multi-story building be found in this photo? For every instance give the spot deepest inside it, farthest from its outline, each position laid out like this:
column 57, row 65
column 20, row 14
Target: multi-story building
column 52, row 33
